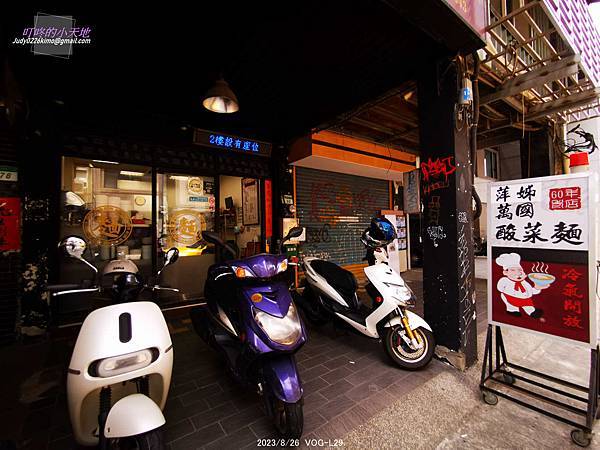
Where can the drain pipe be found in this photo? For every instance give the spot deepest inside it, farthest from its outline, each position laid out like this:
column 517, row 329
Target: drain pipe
column 473, row 140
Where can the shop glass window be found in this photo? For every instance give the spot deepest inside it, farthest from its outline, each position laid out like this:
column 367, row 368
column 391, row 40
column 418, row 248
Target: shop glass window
column 110, row 205
column 186, row 208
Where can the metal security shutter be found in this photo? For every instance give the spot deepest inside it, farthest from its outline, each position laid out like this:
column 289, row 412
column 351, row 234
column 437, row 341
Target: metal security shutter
column 335, row 208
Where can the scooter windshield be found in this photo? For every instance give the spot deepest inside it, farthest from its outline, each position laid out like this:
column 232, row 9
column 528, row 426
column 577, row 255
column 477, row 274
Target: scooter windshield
column 272, row 298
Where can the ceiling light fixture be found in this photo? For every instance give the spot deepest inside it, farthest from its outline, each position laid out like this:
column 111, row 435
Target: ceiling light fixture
column 220, row 98
column 132, row 173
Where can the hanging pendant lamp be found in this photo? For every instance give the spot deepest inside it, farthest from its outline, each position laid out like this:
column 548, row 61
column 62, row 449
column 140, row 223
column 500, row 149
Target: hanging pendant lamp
column 220, row 98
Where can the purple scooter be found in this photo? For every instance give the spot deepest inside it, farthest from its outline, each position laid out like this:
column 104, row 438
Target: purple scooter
column 251, row 319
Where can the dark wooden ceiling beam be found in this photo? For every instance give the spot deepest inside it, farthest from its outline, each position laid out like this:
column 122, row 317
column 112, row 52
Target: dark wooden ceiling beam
column 406, row 134
column 403, row 141
column 375, row 126
column 550, row 72
column 408, row 119
column 562, row 104
column 401, row 146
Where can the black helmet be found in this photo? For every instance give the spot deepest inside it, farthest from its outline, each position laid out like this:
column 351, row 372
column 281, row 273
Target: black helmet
column 126, row 287
column 379, row 234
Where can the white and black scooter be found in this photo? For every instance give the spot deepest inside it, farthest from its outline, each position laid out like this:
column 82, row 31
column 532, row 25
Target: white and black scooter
column 120, row 370
column 330, row 292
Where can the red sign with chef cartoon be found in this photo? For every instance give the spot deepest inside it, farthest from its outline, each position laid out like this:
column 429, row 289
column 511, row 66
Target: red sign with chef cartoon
column 540, row 247
column 541, row 290
column 515, row 291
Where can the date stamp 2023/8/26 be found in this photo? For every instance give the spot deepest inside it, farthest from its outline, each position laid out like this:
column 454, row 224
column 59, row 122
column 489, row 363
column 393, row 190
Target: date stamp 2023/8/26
column 312, row 442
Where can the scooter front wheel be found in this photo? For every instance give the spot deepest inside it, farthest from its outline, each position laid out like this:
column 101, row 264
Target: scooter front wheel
column 151, row 440
column 288, row 418
column 403, row 354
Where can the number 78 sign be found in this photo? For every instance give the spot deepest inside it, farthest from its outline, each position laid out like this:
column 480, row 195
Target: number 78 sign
column 541, row 247
column 8, row 173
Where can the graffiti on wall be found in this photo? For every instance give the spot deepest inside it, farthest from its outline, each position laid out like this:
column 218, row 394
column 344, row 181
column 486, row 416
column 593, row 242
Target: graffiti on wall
column 435, row 177
column 335, row 209
column 318, row 234
column 436, row 233
column 466, row 294
column 434, row 169
column 330, row 202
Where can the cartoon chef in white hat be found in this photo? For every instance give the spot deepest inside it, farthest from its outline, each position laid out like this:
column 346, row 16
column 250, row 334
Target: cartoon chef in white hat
column 515, row 292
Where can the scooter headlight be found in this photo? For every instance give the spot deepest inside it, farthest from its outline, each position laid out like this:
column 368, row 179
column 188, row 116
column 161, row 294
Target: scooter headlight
column 407, row 296
column 117, row 365
column 283, row 330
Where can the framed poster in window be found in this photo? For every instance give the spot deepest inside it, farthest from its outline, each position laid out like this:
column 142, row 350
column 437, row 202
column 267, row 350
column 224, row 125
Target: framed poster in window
column 250, row 204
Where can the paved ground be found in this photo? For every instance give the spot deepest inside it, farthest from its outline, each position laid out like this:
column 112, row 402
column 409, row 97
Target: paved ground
column 461, row 420
column 352, row 393
column 481, row 267
column 347, row 379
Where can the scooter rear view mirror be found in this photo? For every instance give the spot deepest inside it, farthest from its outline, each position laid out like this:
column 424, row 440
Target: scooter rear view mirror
column 73, row 246
column 171, row 256
column 294, row 233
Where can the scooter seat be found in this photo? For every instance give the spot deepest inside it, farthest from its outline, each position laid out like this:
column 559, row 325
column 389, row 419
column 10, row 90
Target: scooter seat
column 340, row 279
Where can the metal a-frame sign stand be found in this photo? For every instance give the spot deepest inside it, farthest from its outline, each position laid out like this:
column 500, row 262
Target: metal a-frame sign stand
column 499, row 376
column 496, row 368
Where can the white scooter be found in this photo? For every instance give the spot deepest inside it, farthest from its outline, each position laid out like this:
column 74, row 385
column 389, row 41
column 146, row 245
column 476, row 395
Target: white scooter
column 331, row 292
column 123, row 352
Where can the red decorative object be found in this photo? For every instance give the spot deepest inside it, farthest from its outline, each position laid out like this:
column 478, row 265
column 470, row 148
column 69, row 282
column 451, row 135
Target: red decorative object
column 10, row 223
column 268, row 209
column 579, row 159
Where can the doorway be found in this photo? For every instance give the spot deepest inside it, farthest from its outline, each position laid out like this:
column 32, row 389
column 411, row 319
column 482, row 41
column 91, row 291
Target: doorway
column 240, row 214
column 185, row 208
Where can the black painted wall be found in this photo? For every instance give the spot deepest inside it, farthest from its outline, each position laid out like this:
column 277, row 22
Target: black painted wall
column 10, row 262
column 448, row 272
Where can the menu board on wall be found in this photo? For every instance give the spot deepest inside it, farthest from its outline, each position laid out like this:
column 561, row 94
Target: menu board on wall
column 401, row 232
column 540, row 246
column 412, row 200
column 250, row 203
